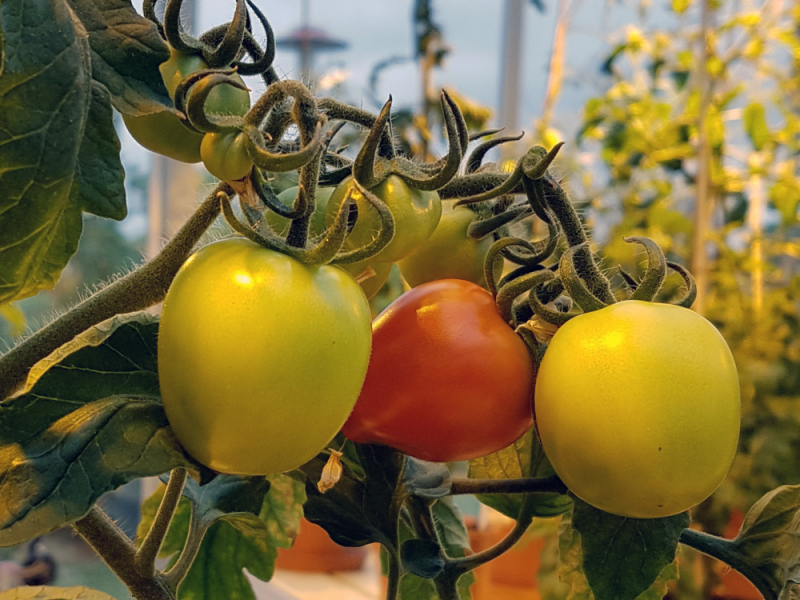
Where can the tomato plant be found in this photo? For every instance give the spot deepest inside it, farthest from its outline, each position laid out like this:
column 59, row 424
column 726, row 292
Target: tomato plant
column 637, row 406
column 416, row 214
column 449, row 253
column 260, row 358
column 448, row 378
column 163, row 132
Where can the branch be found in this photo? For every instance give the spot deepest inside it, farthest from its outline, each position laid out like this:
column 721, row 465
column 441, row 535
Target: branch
column 118, row 552
column 145, row 560
column 138, row 290
column 508, row 486
column 197, row 531
column 725, row 550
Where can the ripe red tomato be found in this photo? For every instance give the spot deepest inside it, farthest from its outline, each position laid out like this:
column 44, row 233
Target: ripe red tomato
column 448, row 379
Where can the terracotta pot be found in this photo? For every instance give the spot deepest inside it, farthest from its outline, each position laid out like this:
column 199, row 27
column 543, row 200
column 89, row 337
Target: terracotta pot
column 314, row 551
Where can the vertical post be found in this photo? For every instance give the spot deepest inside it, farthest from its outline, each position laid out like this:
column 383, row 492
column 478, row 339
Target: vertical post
column 555, row 72
column 305, row 46
column 512, row 68
column 704, row 201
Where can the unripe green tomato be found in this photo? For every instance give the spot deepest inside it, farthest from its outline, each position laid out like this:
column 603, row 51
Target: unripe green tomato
column 225, row 155
column 416, row 215
column 316, row 226
column 449, row 253
column 163, row 132
column 260, row 358
column 637, row 407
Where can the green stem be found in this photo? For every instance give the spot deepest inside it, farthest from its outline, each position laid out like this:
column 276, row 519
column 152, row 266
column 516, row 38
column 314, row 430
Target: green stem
column 726, row 551
column 507, row 486
column 194, row 539
column 392, row 575
column 145, row 561
column 460, row 566
column 139, row 289
column 118, row 552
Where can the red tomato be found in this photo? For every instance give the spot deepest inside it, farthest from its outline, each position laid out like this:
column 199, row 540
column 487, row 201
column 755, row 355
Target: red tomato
column 448, row 379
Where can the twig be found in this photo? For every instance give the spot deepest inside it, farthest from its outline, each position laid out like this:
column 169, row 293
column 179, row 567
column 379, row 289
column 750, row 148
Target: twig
column 145, row 560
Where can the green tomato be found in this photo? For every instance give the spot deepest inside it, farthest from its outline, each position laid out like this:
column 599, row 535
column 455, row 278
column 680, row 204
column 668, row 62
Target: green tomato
column 225, row 155
column 280, row 224
column 416, row 215
column 449, row 253
column 637, row 407
column 260, row 358
column 163, row 132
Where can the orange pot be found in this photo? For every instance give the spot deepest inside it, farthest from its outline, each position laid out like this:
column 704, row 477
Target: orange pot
column 315, row 551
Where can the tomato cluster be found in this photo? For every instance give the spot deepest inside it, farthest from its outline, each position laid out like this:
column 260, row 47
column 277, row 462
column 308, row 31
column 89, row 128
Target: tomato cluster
column 267, row 347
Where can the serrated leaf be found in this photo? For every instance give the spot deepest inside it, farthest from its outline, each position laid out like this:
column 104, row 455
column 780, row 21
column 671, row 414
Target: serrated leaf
column 126, row 50
column 54, row 593
column 769, row 539
column 218, row 569
column 523, row 458
column 754, row 120
column 88, row 424
column 247, row 537
column 570, row 567
column 623, row 557
column 45, row 95
column 100, row 176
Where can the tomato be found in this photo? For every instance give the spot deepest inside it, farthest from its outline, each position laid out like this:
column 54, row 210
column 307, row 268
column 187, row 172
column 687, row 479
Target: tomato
column 448, row 379
column 637, row 406
column 373, row 284
column 225, row 156
column 449, row 253
column 416, row 214
column 163, row 132
column 260, row 358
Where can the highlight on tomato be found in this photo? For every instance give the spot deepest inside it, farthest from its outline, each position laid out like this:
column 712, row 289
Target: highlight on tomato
column 638, row 409
column 260, row 357
column 448, row 379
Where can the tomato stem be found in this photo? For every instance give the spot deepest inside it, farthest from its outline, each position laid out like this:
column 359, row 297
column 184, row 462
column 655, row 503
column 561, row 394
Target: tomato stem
column 726, row 551
column 507, row 486
column 118, row 552
column 145, row 559
column 143, row 287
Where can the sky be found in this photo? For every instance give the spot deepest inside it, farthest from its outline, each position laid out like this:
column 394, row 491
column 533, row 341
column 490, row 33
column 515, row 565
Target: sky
column 379, row 29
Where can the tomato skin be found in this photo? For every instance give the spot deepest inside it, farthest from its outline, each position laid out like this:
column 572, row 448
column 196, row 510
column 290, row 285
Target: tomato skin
column 448, row 379
column 416, row 214
column 163, row 132
column 449, row 253
column 260, row 358
column 638, row 408
column 225, row 155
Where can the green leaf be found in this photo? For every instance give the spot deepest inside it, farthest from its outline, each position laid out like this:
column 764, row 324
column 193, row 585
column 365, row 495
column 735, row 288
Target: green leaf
column 88, row 423
column 523, row 458
column 755, row 124
column 100, row 176
column 45, row 95
column 244, row 528
column 623, row 557
column 426, row 479
column 769, row 539
column 283, row 509
column 54, row 593
column 784, row 195
column 421, row 558
column 218, row 569
column 358, row 511
column 126, row 50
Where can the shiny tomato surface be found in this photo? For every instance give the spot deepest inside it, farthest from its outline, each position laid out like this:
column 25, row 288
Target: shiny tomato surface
column 448, row 379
